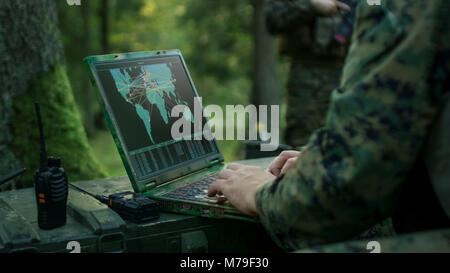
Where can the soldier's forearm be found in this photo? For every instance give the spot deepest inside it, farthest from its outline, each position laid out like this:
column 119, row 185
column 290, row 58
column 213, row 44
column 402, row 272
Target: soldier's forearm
column 287, row 16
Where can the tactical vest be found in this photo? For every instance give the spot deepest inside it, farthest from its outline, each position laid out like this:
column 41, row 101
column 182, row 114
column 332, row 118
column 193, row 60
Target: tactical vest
column 315, row 42
column 436, row 154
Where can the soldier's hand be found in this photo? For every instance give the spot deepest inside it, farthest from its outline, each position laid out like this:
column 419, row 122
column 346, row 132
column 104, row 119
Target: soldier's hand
column 328, row 7
column 239, row 183
column 283, row 162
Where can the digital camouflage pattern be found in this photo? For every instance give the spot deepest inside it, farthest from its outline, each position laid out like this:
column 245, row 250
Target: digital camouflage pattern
column 379, row 230
column 353, row 170
column 316, row 63
column 305, row 34
column 436, row 241
column 308, row 97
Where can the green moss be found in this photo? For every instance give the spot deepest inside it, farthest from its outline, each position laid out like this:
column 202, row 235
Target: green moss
column 63, row 128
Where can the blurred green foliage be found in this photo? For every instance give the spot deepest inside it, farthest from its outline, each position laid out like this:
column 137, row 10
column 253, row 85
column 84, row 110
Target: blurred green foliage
column 215, row 37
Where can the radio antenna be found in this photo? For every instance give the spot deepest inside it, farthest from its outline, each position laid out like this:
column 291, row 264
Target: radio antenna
column 43, row 160
column 11, row 176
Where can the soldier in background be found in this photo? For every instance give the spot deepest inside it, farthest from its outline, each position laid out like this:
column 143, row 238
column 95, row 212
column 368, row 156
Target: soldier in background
column 315, row 35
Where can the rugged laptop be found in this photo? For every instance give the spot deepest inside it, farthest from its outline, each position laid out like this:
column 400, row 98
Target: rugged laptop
column 137, row 92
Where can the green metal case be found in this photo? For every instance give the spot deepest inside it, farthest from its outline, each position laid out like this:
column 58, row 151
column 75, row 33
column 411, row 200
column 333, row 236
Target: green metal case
column 99, row 229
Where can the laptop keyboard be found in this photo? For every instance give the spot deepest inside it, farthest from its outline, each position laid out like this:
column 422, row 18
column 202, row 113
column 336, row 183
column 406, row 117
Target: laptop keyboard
column 195, row 191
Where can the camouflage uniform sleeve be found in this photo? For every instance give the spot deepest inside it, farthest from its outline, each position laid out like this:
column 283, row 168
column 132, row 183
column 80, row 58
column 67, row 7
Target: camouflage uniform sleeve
column 286, row 15
column 348, row 176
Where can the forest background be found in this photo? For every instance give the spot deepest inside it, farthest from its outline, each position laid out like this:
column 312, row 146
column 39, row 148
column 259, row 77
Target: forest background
column 231, row 57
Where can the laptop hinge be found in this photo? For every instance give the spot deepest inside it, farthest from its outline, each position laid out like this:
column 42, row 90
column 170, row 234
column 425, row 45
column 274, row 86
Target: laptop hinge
column 150, row 185
column 214, row 162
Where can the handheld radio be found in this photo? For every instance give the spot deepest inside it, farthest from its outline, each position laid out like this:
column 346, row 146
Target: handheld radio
column 51, row 186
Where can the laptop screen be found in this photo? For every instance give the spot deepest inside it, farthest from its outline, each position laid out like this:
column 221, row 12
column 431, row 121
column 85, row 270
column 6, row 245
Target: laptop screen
column 140, row 94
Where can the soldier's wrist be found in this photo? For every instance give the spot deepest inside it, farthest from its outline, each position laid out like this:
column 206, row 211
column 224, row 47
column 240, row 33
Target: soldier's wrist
column 260, row 196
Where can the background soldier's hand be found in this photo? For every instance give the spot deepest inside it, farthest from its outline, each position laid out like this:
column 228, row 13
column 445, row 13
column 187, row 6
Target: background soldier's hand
column 238, row 183
column 328, row 7
column 283, row 162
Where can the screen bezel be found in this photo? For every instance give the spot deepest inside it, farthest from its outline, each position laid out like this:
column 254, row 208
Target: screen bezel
column 160, row 177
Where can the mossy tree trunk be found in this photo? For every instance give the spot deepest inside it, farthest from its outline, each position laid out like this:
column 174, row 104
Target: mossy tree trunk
column 32, row 69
